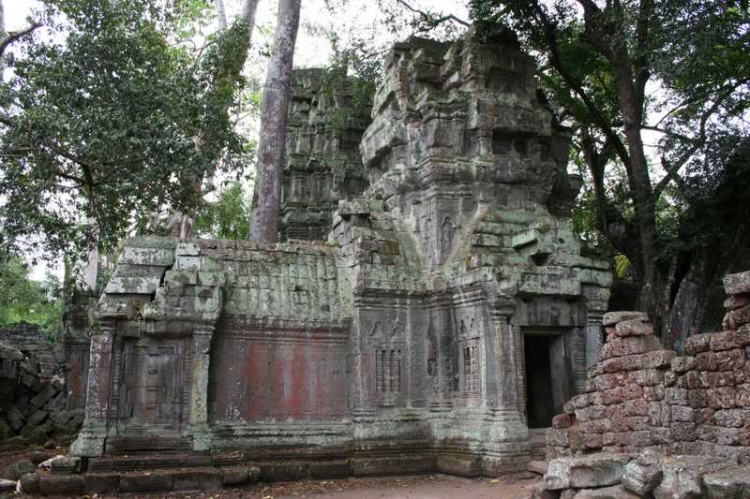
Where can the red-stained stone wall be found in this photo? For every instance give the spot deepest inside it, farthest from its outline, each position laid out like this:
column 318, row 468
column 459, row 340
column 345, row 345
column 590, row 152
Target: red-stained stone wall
column 640, row 396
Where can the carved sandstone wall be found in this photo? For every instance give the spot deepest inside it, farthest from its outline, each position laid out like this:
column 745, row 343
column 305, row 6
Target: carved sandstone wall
column 642, row 397
column 325, row 124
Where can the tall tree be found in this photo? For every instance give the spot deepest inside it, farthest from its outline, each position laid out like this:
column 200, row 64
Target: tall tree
column 272, row 144
column 597, row 59
column 107, row 119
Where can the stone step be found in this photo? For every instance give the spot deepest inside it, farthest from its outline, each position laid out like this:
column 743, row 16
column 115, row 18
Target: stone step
column 154, row 461
column 147, row 444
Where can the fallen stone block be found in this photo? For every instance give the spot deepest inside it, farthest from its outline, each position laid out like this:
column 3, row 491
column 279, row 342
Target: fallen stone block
column 38, row 435
column 16, row 470
column 613, row 492
column 682, row 475
column 730, row 483
column 37, row 417
column 16, row 419
column 5, row 430
column 643, row 474
column 62, row 464
column 43, row 397
column 595, row 470
column 60, row 417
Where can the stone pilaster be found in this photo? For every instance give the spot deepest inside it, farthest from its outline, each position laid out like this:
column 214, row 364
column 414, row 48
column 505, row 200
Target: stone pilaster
column 91, row 439
column 199, row 428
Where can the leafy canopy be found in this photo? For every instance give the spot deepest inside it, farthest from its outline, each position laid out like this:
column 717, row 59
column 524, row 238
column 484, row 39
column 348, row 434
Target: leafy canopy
column 24, row 300
column 109, row 118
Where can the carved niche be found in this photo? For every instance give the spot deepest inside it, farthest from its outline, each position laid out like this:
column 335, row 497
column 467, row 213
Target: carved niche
column 469, row 356
column 388, row 345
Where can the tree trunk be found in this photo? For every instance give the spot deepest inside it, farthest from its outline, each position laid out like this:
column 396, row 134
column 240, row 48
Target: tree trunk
column 223, row 72
column 2, row 37
column 264, row 213
column 688, row 308
column 221, row 14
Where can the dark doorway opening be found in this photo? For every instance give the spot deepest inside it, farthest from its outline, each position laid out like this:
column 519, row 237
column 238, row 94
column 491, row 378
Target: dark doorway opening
column 540, row 405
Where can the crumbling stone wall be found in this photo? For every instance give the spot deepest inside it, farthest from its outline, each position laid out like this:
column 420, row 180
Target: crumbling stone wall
column 642, row 397
column 325, row 122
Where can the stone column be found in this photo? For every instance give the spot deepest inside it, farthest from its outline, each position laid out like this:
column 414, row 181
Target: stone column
column 91, row 439
column 444, row 328
column 199, row 428
column 506, row 366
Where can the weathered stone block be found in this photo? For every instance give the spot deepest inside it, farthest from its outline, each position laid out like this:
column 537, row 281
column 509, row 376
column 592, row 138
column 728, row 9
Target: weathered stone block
column 739, row 283
column 595, row 470
column 737, row 301
column 728, row 340
column 618, row 347
column 561, row 421
column 698, row 343
column 558, row 437
column 643, row 474
column 197, row 479
column 613, row 492
column 30, row 483
column 734, row 319
column 634, row 327
column 730, row 483
column 61, row 485
column 146, row 482
column 101, row 483
column 682, row 476
column 722, row 398
column 611, row 318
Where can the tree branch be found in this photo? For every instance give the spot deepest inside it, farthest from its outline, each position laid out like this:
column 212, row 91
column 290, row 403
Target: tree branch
column 15, row 35
column 432, row 19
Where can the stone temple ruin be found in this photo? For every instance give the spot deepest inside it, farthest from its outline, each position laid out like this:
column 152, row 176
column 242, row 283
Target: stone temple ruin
column 400, row 335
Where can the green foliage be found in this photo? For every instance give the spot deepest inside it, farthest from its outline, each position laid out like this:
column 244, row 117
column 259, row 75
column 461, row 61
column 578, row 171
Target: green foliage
column 24, row 300
column 622, row 265
column 109, row 118
column 228, row 217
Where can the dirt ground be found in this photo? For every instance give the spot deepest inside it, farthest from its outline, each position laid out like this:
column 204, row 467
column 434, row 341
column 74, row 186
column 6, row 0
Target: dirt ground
column 411, row 487
column 406, row 487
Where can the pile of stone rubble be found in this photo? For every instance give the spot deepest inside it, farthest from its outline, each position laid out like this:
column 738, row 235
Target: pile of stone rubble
column 649, row 474
column 54, row 475
column 33, row 399
column 654, row 424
